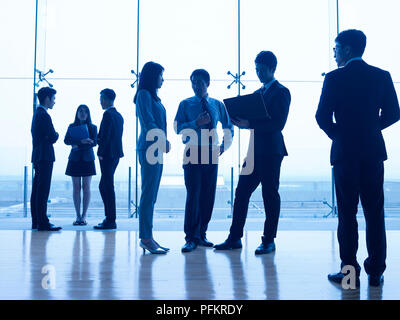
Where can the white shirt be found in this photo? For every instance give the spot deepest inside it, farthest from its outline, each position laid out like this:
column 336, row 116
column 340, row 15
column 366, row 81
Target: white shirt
column 268, row 85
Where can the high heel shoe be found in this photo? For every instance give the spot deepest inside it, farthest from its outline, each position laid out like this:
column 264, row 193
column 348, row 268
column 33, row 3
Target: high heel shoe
column 164, row 248
column 151, row 248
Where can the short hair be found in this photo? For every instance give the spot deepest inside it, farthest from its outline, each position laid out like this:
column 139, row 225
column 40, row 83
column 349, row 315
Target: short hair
column 267, row 58
column 202, row 74
column 45, row 92
column 353, row 38
column 108, row 94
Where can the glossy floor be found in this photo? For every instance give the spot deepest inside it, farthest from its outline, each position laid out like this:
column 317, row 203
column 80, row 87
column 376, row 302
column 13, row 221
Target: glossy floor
column 111, row 265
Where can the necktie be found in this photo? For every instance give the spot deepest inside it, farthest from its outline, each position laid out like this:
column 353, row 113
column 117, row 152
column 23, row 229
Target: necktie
column 209, row 126
column 205, row 106
column 264, row 90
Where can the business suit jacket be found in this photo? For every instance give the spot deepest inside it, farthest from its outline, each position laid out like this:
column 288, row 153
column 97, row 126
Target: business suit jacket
column 43, row 136
column 152, row 115
column 268, row 138
column 363, row 101
column 109, row 138
column 84, row 152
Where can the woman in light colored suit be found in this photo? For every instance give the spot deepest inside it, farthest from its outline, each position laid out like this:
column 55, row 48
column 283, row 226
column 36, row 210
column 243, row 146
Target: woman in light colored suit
column 152, row 117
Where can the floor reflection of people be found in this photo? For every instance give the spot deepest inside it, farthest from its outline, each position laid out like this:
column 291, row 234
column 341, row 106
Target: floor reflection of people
column 80, row 285
column 374, row 293
column 270, row 277
column 347, row 294
column 38, row 259
column 351, row 294
column 198, row 281
column 145, row 281
column 106, row 270
column 239, row 283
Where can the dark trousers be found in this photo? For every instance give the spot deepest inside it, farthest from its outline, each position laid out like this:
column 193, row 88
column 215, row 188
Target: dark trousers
column 106, row 187
column 361, row 180
column 40, row 193
column 201, row 184
column 266, row 171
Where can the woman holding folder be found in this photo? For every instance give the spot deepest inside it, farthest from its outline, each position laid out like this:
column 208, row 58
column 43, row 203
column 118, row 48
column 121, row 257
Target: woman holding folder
column 82, row 136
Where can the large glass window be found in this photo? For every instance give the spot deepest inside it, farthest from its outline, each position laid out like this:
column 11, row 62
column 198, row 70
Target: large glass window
column 16, row 99
column 183, row 36
column 88, row 50
column 93, row 44
column 382, row 51
column 299, row 34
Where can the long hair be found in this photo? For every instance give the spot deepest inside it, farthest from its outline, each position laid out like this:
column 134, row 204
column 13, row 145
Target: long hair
column 88, row 121
column 148, row 79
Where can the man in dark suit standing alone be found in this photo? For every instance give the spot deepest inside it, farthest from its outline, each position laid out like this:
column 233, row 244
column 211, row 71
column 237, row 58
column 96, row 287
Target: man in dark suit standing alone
column 109, row 152
column 363, row 102
column 269, row 150
column 43, row 138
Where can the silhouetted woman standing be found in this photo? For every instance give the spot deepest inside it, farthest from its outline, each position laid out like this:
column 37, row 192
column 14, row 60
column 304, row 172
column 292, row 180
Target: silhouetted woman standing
column 81, row 165
column 152, row 117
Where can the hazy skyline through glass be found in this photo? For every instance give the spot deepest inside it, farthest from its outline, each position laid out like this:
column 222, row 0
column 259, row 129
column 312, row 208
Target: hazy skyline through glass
column 91, row 45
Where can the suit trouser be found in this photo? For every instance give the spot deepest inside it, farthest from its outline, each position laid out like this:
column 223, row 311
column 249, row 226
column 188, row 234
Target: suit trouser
column 201, row 184
column 40, row 193
column 151, row 178
column 361, row 180
column 266, row 171
column 106, row 187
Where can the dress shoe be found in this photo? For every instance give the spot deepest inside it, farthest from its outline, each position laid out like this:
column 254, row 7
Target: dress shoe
column 375, row 281
column 229, row 245
column 265, row 248
column 35, row 225
column 189, row 246
column 164, row 248
column 205, row 243
column 50, row 227
column 151, row 247
column 338, row 278
column 106, row 226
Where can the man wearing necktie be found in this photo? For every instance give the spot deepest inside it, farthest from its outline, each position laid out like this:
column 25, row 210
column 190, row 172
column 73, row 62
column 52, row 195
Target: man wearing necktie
column 196, row 120
column 268, row 149
column 206, row 112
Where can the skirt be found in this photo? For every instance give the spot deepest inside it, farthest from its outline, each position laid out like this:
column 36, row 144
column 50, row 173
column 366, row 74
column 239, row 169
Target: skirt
column 80, row 168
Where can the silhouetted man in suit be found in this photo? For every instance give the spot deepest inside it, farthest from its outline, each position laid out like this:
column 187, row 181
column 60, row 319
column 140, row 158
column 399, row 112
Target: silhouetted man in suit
column 363, row 101
column 109, row 152
column 269, row 150
column 43, row 138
